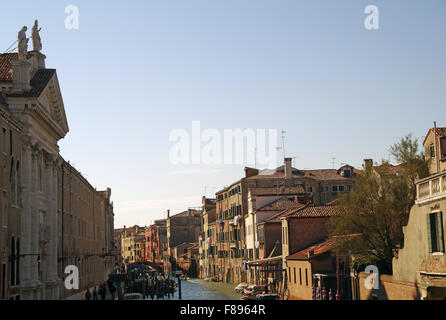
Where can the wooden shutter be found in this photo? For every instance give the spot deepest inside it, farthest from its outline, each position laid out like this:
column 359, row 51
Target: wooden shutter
column 429, row 232
column 440, row 236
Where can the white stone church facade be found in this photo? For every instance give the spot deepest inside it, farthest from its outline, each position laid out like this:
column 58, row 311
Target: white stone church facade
column 35, row 244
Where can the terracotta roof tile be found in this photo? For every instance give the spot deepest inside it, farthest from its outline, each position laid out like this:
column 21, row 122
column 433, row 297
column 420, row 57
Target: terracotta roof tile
column 279, row 204
column 319, row 174
column 286, row 212
column 295, row 190
column 317, row 249
column 307, row 211
column 316, row 211
column 186, row 213
column 326, row 174
column 5, row 65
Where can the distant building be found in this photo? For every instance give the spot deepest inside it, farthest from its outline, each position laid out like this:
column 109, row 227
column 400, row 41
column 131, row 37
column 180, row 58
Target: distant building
column 302, row 228
column 206, row 239
column 133, row 245
column 312, row 186
column 156, row 241
column 86, row 237
column 315, row 266
column 184, row 227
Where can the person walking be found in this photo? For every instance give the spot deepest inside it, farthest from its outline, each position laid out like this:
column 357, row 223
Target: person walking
column 95, row 293
column 111, row 288
column 103, row 290
column 87, row 294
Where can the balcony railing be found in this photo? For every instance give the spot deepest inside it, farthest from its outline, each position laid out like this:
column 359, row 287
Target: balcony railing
column 431, row 188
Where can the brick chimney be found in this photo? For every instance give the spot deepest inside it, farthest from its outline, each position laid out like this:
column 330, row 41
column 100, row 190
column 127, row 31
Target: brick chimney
column 368, row 163
column 249, row 172
column 288, row 169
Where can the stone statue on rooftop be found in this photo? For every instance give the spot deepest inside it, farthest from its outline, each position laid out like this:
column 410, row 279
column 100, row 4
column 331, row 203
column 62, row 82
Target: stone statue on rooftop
column 22, row 43
column 37, row 43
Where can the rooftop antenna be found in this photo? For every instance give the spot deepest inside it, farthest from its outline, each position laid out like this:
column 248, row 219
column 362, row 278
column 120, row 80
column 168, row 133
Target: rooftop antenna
column 333, row 162
column 283, row 142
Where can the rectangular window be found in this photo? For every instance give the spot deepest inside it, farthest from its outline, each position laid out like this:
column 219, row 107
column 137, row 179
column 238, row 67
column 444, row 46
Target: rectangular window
column 341, row 188
column 4, row 140
column 334, row 188
column 260, row 235
column 294, row 275
column 435, row 232
column 300, row 276
column 289, row 274
column 432, row 150
column 306, row 277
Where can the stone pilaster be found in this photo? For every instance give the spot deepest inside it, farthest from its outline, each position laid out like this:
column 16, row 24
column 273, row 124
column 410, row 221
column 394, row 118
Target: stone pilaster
column 51, row 256
column 35, row 223
column 25, row 239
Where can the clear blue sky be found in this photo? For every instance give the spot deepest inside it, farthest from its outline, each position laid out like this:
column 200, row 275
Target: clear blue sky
column 135, row 70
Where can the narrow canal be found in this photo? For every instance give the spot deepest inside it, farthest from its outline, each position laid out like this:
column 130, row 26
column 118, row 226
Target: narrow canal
column 196, row 289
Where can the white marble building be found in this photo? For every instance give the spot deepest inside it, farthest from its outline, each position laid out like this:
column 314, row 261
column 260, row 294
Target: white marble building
column 32, row 95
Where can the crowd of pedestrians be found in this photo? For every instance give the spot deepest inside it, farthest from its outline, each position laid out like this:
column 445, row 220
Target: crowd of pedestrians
column 159, row 287
column 151, row 285
column 101, row 292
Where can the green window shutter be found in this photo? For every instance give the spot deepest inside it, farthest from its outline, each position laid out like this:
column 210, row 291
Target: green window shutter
column 429, row 232
column 440, row 236
column 434, row 232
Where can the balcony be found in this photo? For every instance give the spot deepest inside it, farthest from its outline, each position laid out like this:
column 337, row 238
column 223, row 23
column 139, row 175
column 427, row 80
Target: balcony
column 431, row 188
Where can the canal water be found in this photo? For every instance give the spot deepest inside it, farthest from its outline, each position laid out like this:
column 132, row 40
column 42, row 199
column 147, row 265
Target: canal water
column 197, row 289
